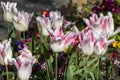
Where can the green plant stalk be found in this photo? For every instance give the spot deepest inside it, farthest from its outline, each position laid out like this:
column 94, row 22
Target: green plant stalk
column 77, row 56
column 9, row 29
column 33, row 44
column 78, row 72
column 98, row 68
column 48, row 76
column 112, row 71
column 65, row 73
column 47, row 61
column 7, row 72
column 51, row 71
column 107, row 69
column 86, row 77
column 56, row 55
column 23, row 35
column 1, row 75
column 69, row 61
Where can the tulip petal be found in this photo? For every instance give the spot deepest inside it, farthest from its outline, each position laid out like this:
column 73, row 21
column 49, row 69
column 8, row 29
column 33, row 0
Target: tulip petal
column 116, row 31
column 86, row 21
column 68, row 39
column 58, row 33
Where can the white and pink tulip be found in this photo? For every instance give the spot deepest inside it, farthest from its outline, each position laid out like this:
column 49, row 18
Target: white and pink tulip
column 59, row 42
column 9, row 9
column 108, row 25
column 22, row 20
column 101, row 45
column 63, row 43
column 24, row 66
column 43, row 23
column 102, row 24
column 24, row 63
column 87, row 40
column 5, row 52
column 56, row 19
column 25, row 52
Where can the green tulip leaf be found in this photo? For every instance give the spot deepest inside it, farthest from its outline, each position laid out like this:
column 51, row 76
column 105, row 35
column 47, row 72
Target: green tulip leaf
column 69, row 73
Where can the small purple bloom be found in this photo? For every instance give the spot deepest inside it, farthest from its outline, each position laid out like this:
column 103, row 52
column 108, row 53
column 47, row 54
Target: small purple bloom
column 45, row 13
column 2, row 68
column 19, row 45
column 43, row 66
column 95, row 9
column 61, row 71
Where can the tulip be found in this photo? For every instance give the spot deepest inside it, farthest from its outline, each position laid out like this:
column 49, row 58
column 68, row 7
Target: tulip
column 101, row 45
column 61, row 45
column 24, row 63
column 108, row 25
column 59, row 41
column 25, row 52
column 57, row 34
column 24, row 67
column 43, row 24
column 5, row 52
column 95, row 23
column 91, row 21
column 102, row 25
column 56, row 19
column 1, row 54
column 87, row 40
column 9, row 10
column 76, row 39
column 21, row 21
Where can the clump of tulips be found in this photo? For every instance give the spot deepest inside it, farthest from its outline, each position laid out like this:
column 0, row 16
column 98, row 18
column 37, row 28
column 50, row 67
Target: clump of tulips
column 83, row 49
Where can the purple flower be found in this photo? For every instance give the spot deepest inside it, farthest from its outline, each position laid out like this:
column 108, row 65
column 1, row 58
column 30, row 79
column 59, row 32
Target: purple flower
column 41, row 65
column 61, row 71
column 2, row 68
column 19, row 45
column 107, row 5
column 45, row 13
column 95, row 9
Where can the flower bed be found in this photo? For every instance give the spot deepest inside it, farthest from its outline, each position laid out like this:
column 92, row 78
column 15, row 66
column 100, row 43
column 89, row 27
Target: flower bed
column 57, row 49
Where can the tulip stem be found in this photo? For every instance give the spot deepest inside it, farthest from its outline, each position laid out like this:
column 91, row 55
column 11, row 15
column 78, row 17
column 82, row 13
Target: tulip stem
column 56, row 55
column 98, row 69
column 23, row 35
column 7, row 72
column 9, row 30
